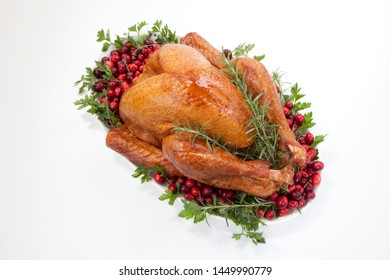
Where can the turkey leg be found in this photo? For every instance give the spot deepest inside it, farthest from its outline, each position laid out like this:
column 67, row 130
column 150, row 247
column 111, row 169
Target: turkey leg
column 220, row 168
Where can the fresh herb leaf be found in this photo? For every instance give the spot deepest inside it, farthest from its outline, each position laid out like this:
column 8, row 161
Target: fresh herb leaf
column 243, row 49
column 259, row 57
column 256, row 237
column 163, row 34
column 144, row 172
column 86, row 80
column 308, row 123
column 170, row 196
column 191, row 210
column 317, row 140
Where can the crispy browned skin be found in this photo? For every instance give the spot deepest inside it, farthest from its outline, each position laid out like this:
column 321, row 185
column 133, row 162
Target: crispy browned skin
column 222, row 169
column 259, row 82
column 178, row 83
column 121, row 140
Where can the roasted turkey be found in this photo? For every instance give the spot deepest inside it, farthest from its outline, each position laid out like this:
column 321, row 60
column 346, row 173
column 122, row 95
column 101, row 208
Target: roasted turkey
column 183, row 84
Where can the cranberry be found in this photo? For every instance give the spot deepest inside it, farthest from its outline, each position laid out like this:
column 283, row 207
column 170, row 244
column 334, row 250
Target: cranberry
column 114, row 53
column 110, row 64
column 309, row 137
column 124, row 85
column 188, row 196
column 141, row 68
column 283, row 212
column 98, row 73
column 132, row 67
column 145, row 52
column 124, row 50
column 190, row 183
column 290, row 122
column 140, row 57
column 112, row 84
column 269, row 215
column 293, row 204
column 316, row 179
column 148, row 42
column 121, row 77
column 158, row 178
column 121, row 67
column 289, row 104
column 302, row 202
column 318, row 165
column 195, row 191
column 104, row 59
column 228, row 54
column 137, row 63
column 98, row 86
column 126, row 58
column 110, row 93
column 260, row 212
column 300, row 188
column 114, row 72
column 103, row 100
column 297, row 195
column 181, row 180
column 312, row 153
column 286, row 111
column 291, row 188
column 185, row 189
column 172, row 180
column 307, row 147
column 273, row 196
column 137, row 73
column 118, row 91
column 199, row 184
column 310, row 195
column 207, row 191
column 172, row 187
column 299, row 119
column 295, row 127
column 209, row 200
column 115, row 58
column 301, row 140
column 282, row 202
column 227, row 194
column 309, row 188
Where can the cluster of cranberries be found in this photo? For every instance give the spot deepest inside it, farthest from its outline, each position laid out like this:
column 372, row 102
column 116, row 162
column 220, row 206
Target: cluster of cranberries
column 194, row 190
column 125, row 64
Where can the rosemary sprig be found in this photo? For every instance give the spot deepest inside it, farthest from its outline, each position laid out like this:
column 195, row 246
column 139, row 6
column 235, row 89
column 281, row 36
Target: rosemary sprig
column 266, row 138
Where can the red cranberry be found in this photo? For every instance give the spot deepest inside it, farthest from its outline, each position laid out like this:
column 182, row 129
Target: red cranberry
column 118, row 91
column 207, row 191
column 132, row 67
column 290, row 122
column 124, row 86
column 172, row 180
column 195, row 191
column 112, row 84
column 98, row 86
column 307, row 147
column 309, row 187
column 104, row 59
column 299, row 119
column 273, row 196
column 277, row 87
column 260, row 212
column 199, row 184
column 172, row 187
column 114, row 53
column 110, row 64
column 293, row 204
column 286, row 111
column 269, row 215
column 301, row 140
column 297, row 195
column 181, row 180
column 209, row 200
column 141, row 68
column 121, row 67
column 148, row 42
column 98, row 73
column 289, row 104
column 302, row 202
column 190, row 183
column 121, row 77
column 228, row 54
column 184, row 189
column 227, row 194
column 115, row 58
column 110, row 93
column 312, row 153
column 126, row 58
column 295, row 127
column 318, row 165
column 124, row 50
column 103, row 100
column 140, row 57
column 291, row 188
column 188, row 196
column 309, row 137
column 114, row 72
column 283, row 212
column 310, row 195
column 158, row 178
column 316, row 179
column 137, row 63
column 282, row 202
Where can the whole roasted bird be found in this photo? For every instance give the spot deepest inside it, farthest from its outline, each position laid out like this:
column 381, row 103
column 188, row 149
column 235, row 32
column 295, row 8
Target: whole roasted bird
column 183, row 83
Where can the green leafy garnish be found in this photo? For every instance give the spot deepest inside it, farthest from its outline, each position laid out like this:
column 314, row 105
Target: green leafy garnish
column 256, row 237
column 243, row 49
column 146, row 172
column 86, row 80
column 317, row 140
column 164, row 34
column 170, row 196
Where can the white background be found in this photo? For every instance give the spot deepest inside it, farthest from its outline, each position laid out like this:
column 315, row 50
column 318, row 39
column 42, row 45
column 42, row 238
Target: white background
column 64, row 195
